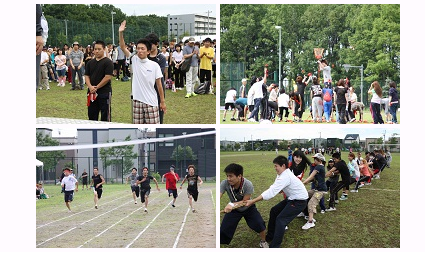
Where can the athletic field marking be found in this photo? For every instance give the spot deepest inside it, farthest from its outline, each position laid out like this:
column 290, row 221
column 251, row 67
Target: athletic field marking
column 86, row 222
column 56, row 236
column 74, row 214
column 144, row 230
column 105, row 230
column 181, row 229
column 393, row 190
column 238, row 155
column 212, row 198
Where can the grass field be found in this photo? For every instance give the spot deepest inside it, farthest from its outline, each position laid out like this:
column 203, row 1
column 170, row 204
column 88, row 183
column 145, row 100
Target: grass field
column 119, row 223
column 61, row 102
column 367, row 119
column 368, row 219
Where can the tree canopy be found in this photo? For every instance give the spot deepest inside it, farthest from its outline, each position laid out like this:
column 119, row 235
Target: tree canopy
column 355, row 34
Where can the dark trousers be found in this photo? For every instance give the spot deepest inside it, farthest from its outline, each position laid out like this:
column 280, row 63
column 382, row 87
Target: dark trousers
column 333, row 192
column 100, row 105
column 375, row 110
column 179, row 78
column 393, row 111
column 341, row 108
column 281, row 110
column 205, row 75
column 362, row 179
column 285, row 211
column 230, row 222
column 120, row 65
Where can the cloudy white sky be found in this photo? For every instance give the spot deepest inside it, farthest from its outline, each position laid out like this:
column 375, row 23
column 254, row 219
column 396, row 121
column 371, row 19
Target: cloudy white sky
column 241, row 134
column 165, row 9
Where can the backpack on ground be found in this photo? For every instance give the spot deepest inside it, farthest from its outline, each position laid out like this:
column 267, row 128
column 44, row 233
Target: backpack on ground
column 204, row 88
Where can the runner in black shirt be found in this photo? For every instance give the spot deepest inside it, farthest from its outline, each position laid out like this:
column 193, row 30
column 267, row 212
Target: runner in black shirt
column 192, row 188
column 97, row 183
column 144, row 181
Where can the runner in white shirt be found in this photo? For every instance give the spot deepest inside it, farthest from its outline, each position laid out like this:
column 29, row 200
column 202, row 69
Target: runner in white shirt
column 229, row 102
column 70, row 184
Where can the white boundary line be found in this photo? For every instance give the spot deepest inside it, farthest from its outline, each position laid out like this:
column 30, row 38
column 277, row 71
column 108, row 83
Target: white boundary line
column 212, row 198
column 144, row 230
column 105, row 230
column 74, row 214
column 84, row 222
column 393, row 190
column 181, row 229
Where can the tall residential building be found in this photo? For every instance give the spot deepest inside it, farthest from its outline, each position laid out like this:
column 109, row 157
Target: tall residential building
column 183, row 25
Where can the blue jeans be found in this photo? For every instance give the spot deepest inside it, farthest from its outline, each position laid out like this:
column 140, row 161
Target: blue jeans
column 393, row 111
column 255, row 112
column 73, row 77
column 327, row 110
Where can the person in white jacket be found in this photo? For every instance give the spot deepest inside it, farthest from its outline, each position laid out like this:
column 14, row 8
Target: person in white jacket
column 287, row 209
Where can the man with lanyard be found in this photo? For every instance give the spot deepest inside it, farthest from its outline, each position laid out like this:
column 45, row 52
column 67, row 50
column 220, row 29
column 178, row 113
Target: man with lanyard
column 98, row 75
column 192, row 188
column 295, row 202
column 239, row 189
column 158, row 57
column 69, row 184
column 144, row 181
column 190, row 51
column 76, row 62
column 97, row 183
column 134, row 186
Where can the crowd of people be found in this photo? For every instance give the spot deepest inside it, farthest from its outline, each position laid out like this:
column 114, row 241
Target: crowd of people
column 325, row 177
column 80, row 66
column 327, row 103
column 140, row 185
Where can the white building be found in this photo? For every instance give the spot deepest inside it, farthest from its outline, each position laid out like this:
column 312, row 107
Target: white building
column 196, row 25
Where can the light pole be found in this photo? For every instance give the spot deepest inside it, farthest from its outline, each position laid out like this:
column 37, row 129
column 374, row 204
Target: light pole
column 66, row 31
column 279, row 59
column 347, row 66
column 112, row 25
column 208, row 21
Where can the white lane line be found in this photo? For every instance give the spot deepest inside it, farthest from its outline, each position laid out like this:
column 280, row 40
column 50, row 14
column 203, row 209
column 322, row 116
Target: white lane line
column 56, row 236
column 105, row 230
column 181, row 229
column 144, row 230
column 394, row 190
column 212, row 198
column 74, row 214
column 86, row 222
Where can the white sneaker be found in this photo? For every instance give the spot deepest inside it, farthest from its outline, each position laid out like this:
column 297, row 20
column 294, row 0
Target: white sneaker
column 263, row 244
column 300, row 215
column 354, row 191
column 135, row 202
column 322, row 211
column 361, row 185
column 313, row 220
column 330, row 209
column 145, row 210
column 251, row 120
column 308, row 225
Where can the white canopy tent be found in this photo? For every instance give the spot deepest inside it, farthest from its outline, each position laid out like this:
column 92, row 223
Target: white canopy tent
column 40, row 164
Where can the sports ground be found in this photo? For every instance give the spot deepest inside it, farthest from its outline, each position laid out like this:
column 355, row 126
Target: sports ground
column 119, row 223
column 368, row 219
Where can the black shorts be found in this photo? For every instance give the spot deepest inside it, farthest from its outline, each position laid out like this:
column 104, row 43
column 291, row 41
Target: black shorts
column 229, row 105
column 99, row 192
column 68, row 195
column 144, row 193
column 194, row 193
column 84, row 182
column 136, row 189
column 173, row 192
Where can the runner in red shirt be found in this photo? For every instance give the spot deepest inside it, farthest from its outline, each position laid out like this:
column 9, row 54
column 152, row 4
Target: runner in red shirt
column 171, row 183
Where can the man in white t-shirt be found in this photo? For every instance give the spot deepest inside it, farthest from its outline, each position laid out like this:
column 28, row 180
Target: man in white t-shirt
column 69, row 184
column 326, row 72
column 258, row 96
column 145, row 73
column 230, row 103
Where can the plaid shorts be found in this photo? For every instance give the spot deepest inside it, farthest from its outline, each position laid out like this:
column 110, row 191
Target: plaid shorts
column 145, row 114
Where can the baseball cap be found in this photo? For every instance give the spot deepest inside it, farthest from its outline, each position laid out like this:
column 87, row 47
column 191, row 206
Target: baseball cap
column 331, row 161
column 191, row 40
column 76, row 43
column 319, row 156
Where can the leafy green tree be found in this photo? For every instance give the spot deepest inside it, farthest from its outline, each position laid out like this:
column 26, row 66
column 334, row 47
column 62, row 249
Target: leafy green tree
column 120, row 156
column 182, row 153
column 49, row 158
column 237, row 146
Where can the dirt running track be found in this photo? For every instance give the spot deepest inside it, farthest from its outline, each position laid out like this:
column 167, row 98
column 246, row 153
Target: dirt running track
column 119, row 223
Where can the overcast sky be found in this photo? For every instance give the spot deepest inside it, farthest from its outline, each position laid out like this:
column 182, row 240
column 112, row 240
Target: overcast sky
column 315, row 131
column 165, row 9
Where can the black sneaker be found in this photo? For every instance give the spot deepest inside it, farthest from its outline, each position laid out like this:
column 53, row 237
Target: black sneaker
column 232, row 119
column 73, row 89
column 173, row 205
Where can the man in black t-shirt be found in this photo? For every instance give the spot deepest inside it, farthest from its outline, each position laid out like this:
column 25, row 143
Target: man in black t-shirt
column 192, row 188
column 339, row 167
column 98, row 75
column 340, row 100
column 84, row 179
column 144, row 181
column 97, row 183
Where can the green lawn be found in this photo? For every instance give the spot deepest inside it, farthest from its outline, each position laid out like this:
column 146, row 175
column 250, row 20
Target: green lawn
column 367, row 118
column 61, row 102
column 369, row 218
